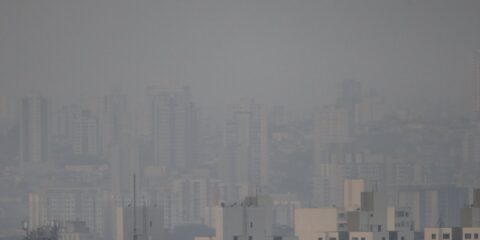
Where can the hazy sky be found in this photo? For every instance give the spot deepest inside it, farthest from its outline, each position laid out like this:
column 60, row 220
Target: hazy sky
column 290, row 51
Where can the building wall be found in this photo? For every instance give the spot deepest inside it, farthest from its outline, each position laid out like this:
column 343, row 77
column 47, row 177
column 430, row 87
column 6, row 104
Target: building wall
column 432, row 205
column 399, row 219
column 174, row 126
column 244, row 221
column 86, row 139
column 149, row 223
column 310, row 222
column 34, row 130
column 446, row 233
column 72, row 204
column 470, row 217
column 188, row 201
column 326, row 236
column 470, row 233
column 361, row 236
column 352, row 190
column 246, row 145
column 284, row 209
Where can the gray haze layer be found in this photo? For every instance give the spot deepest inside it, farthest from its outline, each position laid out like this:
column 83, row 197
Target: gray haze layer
column 205, row 102
column 283, row 51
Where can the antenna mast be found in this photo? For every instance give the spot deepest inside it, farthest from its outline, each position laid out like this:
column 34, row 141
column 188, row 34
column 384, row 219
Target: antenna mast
column 145, row 219
column 135, row 236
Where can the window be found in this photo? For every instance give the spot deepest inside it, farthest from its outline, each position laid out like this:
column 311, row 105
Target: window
column 383, row 238
column 379, row 228
column 251, row 224
column 332, row 238
column 468, row 236
column 402, row 238
column 446, row 236
column 320, row 238
column 355, row 238
column 362, row 238
column 235, row 237
column 434, row 236
column 250, row 237
column 475, row 235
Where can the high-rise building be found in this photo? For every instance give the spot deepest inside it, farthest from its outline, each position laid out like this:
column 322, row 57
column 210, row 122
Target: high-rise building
column 246, row 145
column 36, row 210
column 92, row 206
column 332, row 131
column 174, row 128
column 34, row 129
column 336, row 153
column 432, row 206
column 370, row 108
column 86, row 139
column 115, row 120
column 62, row 125
column 329, row 188
column 118, row 144
column 188, row 201
column 6, row 111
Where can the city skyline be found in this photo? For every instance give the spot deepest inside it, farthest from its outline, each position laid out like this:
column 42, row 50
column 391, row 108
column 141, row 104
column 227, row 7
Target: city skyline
column 240, row 120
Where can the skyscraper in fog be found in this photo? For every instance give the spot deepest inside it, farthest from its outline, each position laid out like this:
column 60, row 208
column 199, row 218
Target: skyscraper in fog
column 246, row 145
column 332, row 132
column 118, row 145
column 34, row 129
column 174, row 127
column 336, row 155
column 61, row 126
column 115, row 117
column 6, row 111
column 85, row 134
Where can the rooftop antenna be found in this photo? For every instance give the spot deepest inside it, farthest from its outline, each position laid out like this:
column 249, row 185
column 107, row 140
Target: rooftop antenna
column 440, row 227
column 440, row 222
column 135, row 236
column 144, row 218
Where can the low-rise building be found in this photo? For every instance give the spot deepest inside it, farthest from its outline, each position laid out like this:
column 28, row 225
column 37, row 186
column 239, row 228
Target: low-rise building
column 470, row 216
column 147, row 222
column 470, row 233
column 316, row 223
column 443, row 233
column 250, row 219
